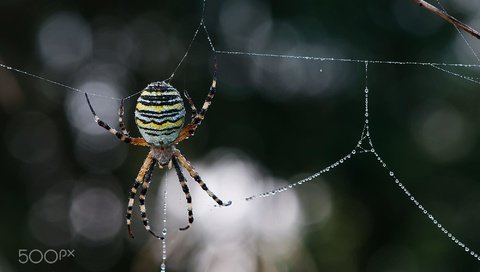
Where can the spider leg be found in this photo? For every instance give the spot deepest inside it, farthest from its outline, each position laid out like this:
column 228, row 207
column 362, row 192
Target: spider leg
column 183, row 183
column 189, row 129
column 121, row 113
column 192, row 105
column 142, row 198
column 120, row 135
column 147, row 164
column 198, row 179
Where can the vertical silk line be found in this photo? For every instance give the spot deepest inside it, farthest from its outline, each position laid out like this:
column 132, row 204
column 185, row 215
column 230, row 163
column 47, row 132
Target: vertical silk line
column 163, row 266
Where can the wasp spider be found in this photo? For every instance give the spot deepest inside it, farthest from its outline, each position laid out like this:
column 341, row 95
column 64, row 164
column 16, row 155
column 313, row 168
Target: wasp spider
column 159, row 115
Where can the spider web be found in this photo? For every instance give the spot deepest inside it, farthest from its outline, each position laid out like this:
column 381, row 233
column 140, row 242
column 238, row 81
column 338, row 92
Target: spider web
column 365, row 145
column 363, row 148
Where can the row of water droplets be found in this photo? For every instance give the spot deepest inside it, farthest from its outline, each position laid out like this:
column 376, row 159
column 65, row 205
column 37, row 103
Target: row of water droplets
column 424, row 210
column 365, row 146
column 163, row 266
column 305, row 180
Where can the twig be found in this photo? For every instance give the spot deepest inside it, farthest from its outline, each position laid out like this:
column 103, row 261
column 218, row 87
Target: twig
column 448, row 18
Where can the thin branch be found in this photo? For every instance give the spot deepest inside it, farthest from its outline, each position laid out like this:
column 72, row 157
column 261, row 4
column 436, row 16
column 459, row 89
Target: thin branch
column 448, row 18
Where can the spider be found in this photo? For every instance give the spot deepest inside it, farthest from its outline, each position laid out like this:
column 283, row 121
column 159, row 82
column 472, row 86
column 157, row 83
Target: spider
column 159, row 116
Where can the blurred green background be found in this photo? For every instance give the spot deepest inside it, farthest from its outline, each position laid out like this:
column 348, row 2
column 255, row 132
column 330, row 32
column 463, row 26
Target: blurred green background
column 273, row 121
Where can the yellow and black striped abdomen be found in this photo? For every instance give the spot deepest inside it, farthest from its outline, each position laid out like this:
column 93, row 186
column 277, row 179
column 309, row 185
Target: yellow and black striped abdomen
column 159, row 113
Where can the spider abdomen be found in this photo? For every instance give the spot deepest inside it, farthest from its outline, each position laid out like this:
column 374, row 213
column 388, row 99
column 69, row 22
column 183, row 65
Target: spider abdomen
column 159, row 113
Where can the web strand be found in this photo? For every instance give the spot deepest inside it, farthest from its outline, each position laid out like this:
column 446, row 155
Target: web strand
column 435, row 65
column 471, row 79
column 10, row 68
column 460, row 32
column 186, row 53
column 313, row 58
column 163, row 266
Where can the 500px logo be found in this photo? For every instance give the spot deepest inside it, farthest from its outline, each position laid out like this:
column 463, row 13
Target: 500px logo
column 49, row 256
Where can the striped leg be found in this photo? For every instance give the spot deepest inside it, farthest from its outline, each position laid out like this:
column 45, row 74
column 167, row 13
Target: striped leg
column 133, row 191
column 142, row 197
column 183, row 183
column 197, row 178
column 190, row 102
column 120, row 135
column 121, row 113
column 189, row 129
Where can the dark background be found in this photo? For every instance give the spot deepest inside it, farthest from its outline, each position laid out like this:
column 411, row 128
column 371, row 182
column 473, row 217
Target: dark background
column 289, row 118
